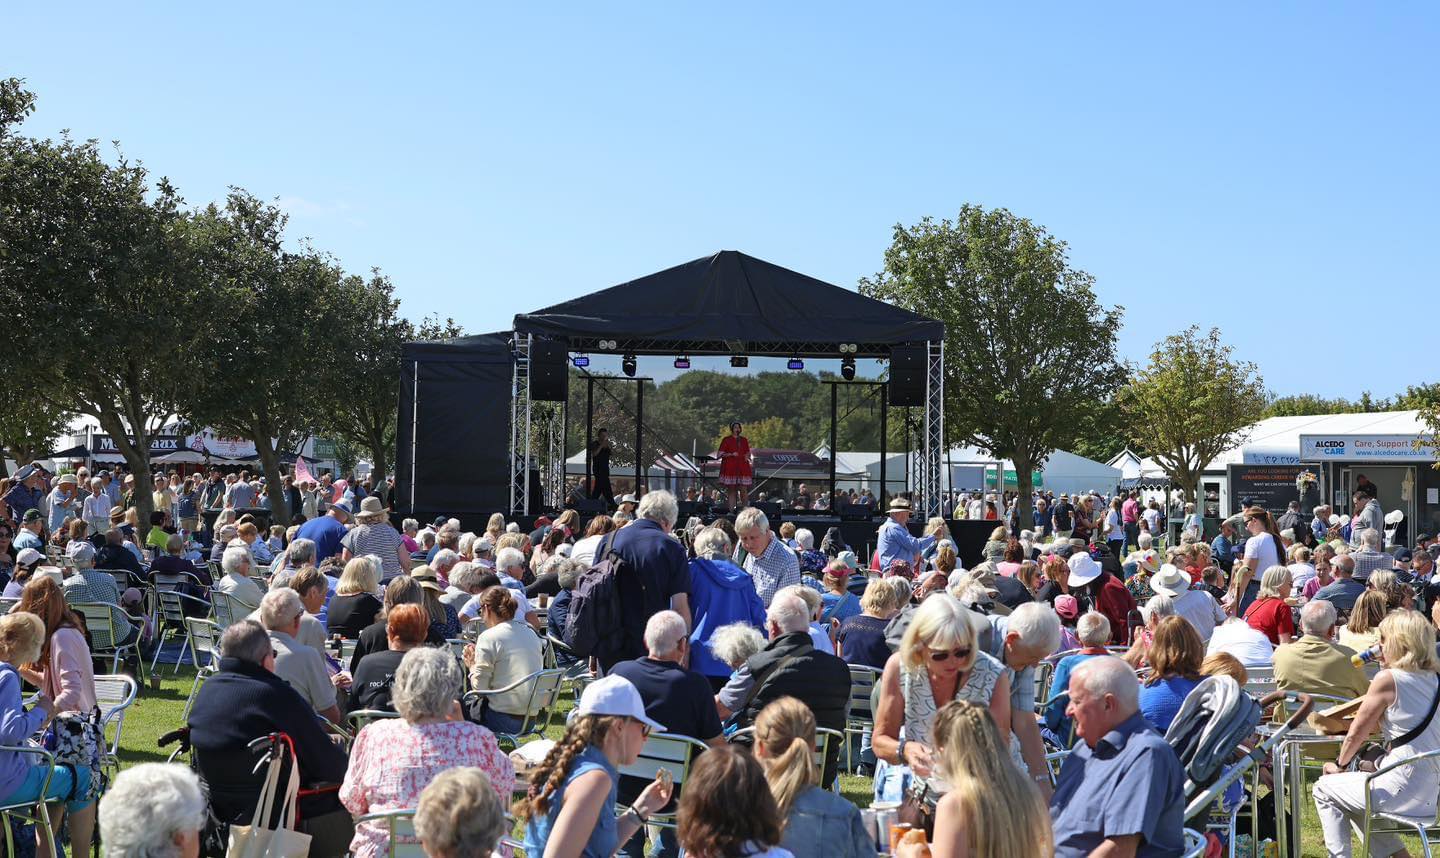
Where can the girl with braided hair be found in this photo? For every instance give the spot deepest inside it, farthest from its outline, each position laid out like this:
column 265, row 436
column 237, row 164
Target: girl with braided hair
column 569, row 810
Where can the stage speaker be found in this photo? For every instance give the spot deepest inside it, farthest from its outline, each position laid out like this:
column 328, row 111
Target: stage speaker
column 907, row 374
column 854, row 512
column 771, row 510
column 549, row 371
column 588, row 507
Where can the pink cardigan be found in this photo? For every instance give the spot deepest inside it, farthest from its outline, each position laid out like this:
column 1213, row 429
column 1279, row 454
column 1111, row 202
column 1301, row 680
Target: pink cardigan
column 69, row 678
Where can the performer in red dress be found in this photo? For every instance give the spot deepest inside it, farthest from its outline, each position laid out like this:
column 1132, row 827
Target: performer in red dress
column 736, row 473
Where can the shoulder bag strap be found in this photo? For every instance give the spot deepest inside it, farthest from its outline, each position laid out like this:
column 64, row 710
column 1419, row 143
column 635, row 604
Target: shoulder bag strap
column 1414, row 732
column 760, row 681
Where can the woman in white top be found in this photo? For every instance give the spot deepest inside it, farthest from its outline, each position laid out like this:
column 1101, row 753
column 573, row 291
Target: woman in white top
column 507, row 651
column 1262, row 550
column 1401, row 700
column 584, row 551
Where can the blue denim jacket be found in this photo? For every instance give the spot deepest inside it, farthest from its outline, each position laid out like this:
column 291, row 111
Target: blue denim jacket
column 823, row 825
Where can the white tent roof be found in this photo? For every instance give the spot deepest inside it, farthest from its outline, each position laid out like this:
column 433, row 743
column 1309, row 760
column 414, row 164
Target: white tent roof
column 1276, row 440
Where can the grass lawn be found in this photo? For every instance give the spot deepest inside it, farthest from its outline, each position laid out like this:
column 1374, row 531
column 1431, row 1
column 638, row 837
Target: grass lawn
column 158, row 712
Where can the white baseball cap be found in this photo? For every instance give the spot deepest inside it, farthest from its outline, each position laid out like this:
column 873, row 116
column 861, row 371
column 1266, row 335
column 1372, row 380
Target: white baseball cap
column 614, row 695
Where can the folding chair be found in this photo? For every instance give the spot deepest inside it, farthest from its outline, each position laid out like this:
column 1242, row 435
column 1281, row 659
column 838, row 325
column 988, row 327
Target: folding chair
column 1194, row 844
column 100, row 621
column 358, row 719
column 860, row 719
column 228, row 609
column 577, row 670
column 544, row 695
column 1424, row 828
column 401, row 825
column 825, row 739
column 7, row 604
column 114, row 693
column 1259, row 681
column 33, row 813
column 204, row 639
column 669, row 751
column 171, row 621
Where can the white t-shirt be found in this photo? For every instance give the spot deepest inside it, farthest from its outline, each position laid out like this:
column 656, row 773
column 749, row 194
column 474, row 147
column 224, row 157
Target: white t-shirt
column 1201, row 610
column 584, row 550
column 1302, row 574
column 472, row 607
column 1264, row 550
column 1248, row 645
column 1152, row 518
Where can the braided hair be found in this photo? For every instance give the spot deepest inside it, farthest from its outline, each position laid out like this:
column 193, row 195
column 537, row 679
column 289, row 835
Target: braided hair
column 550, row 775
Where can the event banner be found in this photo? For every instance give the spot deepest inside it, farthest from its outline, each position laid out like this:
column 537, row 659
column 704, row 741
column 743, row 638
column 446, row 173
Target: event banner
column 1272, row 487
column 1366, row 448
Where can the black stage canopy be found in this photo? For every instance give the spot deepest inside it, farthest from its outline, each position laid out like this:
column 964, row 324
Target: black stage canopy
column 730, row 303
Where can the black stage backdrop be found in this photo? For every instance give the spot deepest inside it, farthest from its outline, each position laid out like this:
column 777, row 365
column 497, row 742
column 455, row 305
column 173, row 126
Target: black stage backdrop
column 453, row 437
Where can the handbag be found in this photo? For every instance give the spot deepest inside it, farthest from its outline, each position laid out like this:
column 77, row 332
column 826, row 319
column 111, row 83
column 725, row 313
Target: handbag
column 77, row 740
column 917, row 808
column 258, row 839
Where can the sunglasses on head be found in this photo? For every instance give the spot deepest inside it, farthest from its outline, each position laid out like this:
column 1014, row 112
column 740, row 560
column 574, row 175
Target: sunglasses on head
column 947, row 654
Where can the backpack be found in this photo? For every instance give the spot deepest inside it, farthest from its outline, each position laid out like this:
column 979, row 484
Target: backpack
column 595, row 623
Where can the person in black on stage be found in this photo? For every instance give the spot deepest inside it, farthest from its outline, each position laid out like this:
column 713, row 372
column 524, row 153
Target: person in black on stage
column 600, row 467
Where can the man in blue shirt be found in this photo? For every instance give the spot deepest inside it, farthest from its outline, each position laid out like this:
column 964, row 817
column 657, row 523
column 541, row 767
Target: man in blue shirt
column 894, row 541
column 326, row 531
column 1122, row 787
column 1223, row 548
column 26, row 494
column 1344, row 589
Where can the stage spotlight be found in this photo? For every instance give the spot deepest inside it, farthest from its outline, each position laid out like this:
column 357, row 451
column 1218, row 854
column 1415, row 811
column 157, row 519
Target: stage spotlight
column 795, row 363
column 627, row 365
column 848, row 348
column 682, row 362
column 581, row 361
column 847, row 369
column 739, row 361
column 607, row 345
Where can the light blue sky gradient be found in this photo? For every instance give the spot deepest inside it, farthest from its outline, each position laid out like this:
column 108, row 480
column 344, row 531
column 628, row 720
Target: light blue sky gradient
column 1266, row 168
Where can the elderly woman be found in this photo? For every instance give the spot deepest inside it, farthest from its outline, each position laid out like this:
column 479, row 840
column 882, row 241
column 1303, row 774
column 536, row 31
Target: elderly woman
column 1270, row 613
column 153, row 810
column 373, row 534
column 460, row 815
column 733, row 645
column 354, row 606
column 861, row 639
column 506, row 652
column 1401, row 704
column 1175, row 657
column 812, row 562
column 21, row 636
column 939, row 660
column 223, row 537
column 402, row 591
column 721, row 593
column 237, row 562
column 994, row 549
column 1158, row 608
column 394, row 759
column 1397, row 595
column 839, row 603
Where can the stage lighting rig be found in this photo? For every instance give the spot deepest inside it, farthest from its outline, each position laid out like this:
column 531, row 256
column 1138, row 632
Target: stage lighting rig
column 580, row 361
column 847, row 369
column 739, row 361
column 682, row 362
column 627, row 365
column 795, row 363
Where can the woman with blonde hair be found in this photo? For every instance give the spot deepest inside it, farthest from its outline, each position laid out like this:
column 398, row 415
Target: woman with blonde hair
column 495, row 527
column 1400, row 703
column 814, row 822
column 355, row 604
column 992, row 809
column 1362, row 631
column 1397, row 595
column 1270, row 612
column 994, row 550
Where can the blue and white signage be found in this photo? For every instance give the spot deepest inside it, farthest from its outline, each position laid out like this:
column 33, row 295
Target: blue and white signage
column 1365, row 448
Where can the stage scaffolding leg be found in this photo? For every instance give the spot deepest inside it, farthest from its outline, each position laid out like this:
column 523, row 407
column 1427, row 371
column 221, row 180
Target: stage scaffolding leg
column 934, row 446
column 520, row 428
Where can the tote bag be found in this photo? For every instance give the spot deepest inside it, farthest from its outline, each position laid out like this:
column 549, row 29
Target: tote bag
column 258, row 839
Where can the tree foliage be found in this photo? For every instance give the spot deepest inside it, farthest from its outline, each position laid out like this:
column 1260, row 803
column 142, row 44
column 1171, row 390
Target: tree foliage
column 1191, row 403
column 1029, row 350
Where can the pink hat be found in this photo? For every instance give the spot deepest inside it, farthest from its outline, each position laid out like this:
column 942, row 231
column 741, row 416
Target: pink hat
column 1067, row 607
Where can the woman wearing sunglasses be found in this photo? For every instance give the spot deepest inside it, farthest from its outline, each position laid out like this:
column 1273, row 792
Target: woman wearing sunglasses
column 569, row 811
column 938, row 661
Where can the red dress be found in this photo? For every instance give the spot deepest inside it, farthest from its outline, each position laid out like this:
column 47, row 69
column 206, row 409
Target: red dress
column 735, row 462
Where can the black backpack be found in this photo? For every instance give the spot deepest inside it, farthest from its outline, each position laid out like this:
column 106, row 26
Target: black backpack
column 595, row 623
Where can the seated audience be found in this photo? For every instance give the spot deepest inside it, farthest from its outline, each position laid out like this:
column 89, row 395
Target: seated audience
column 1094, row 633
column 1313, row 664
column 298, row 664
column 403, row 590
column 558, row 614
column 355, row 605
column 728, row 810
column 460, row 815
column 733, row 645
column 815, row 823
column 1249, row 646
column 570, row 811
column 1270, row 612
column 153, row 809
column 505, row 653
column 405, row 628
column 721, row 593
column 395, row 758
column 1121, row 790
column 861, row 639
column 236, row 583
column 1192, row 601
column 1362, row 631
column 1343, row 590
column 1175, row 658
column 840, row 603
column 1020, row 641
column 85, row 584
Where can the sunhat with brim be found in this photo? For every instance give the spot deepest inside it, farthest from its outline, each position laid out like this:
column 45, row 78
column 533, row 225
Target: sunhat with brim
column 1146, row 560
column 1083, row 569
column 426, row 577
column 616, row 696
column 1170, row 580
column 371, row 510
column 899, row 505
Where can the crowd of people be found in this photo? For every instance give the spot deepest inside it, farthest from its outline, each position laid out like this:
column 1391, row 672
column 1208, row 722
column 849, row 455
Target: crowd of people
column 742, row 636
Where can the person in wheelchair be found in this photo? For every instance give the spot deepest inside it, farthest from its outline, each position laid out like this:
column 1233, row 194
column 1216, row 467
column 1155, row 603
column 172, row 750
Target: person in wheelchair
column 245, row 700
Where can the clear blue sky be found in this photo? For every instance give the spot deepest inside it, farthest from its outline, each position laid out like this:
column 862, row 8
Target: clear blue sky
column 1266, row 168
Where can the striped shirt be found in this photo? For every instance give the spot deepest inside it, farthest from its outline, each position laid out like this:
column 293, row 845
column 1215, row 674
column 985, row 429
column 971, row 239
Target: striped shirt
column 382, row 540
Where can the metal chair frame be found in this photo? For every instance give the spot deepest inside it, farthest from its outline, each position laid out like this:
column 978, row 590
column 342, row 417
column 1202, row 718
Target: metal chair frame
column 32, row 812
column 97, row 615
column 825, row 738
column 203, row 637
column 860, row 716
column 114, row 694
column 170, row 620
column 1421, row 828
column 358, row 719
column 400, row 823
column 544, row 695
column 670, row 751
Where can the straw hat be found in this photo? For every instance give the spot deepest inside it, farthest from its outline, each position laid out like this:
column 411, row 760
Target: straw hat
column 1170, row 581
column 371, row 511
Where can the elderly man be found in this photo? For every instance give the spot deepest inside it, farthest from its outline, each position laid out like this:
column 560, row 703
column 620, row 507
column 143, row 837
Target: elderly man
column 1343, row 589
column 464, row 577
column 658, row 575
column 1021, row 641
column 790, row 666
column 63, row 502
column 246, row 700
column 281, row 612
column 236, row 564
column 444, row 561
column 84, row 585
column 510, row 565
column 241, row 493
column 1313, row 664
column 32, row 525
column 115, row 555
column 1222, row 548
column 668, row 690
column 1368, row 557
column 894, row 542
column 1121, row 790
column 1192, row 602
column 1366, row 515
column 326, row 531
column 25, row 494
column 772, row 566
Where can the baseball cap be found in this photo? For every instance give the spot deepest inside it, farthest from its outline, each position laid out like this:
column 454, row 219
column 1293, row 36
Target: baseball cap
column 28, row 556
column 1402, row 555
column 439, row 521
column 1067, row 606
column 32, row 515
column 80, row 551
column 849, row 559
column 614, row 695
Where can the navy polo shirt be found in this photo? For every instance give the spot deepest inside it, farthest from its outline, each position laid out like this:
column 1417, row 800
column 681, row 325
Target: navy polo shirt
column 1131, row 782
column 679, row 699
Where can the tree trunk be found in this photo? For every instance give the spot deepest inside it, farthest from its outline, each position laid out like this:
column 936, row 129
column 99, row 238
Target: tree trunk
column 379, row 464
column 1024, row 514
column 270, row 465
column 137, row 457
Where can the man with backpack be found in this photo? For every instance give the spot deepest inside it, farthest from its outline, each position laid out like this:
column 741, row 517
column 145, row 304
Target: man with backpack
column 639, row 571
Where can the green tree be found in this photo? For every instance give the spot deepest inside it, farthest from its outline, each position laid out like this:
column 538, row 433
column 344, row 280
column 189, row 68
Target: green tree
column 1029, row 350
column 29, row 425
column 100, row 246
column 1191, row 403
column 16, row 103
column 771, row 433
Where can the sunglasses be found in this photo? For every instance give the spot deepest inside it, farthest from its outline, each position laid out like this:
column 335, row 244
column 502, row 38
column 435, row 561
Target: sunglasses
column 945, row 654
column 644, row 728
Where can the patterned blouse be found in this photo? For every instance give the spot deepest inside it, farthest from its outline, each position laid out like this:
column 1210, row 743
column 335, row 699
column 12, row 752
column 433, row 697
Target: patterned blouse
column 979, row 687
column 393, row 760
column 1139, row 587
